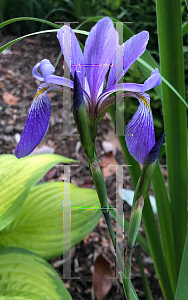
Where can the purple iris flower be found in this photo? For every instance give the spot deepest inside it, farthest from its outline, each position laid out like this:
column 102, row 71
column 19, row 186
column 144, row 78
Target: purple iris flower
column 100, row 54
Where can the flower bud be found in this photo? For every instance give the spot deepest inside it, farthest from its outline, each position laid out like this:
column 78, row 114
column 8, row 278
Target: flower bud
column 135, row 221
column 148, row 170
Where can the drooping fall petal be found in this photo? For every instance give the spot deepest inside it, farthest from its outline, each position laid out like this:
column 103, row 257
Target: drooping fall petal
column 140, row 135
column 36, row 124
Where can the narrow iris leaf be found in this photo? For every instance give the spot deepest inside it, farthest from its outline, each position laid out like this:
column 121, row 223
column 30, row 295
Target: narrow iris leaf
column 169, row 23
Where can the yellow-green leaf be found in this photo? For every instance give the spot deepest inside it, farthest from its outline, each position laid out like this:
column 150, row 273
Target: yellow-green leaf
column 39, row 225
column 26, row 276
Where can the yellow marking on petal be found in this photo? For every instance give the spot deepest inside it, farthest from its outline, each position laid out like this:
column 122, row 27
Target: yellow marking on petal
column 145, row 101
column 40, row 92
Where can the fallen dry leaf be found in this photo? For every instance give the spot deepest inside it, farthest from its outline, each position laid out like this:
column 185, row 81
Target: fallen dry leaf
column 87, row 184
column 10, row 99
column 100, row 278
column 2, row 85
column 108, row 164
column 6, row 71
column 3, row 70
column 31, row 41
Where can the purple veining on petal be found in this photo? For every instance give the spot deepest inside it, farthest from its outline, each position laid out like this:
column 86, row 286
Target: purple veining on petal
column 140, row 135
column 36, row 124
column 72, row 52
column 126, row 55
column 99, row 50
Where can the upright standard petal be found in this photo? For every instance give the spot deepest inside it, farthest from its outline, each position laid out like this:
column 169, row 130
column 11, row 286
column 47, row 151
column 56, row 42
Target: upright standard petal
column 36, row 124
column 126, row 55
column 99, row 50
column 71, row 51
column 140, row 135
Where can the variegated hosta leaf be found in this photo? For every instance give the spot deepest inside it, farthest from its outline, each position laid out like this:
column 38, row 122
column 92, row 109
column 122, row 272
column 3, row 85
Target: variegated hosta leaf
column 26, row 276
column 39, row 225
column 17, row 178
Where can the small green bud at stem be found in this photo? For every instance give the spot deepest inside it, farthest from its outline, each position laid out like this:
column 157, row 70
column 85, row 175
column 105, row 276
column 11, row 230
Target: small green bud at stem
column 100, row 186
column 135, row 221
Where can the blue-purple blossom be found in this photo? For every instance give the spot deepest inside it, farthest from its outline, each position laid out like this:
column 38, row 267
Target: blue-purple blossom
column 100, row 54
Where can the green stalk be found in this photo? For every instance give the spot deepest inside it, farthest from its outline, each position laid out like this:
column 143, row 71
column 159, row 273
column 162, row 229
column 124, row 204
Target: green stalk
column 171, row 59
column 100, row 186
column 128, row 258
column 134, row 224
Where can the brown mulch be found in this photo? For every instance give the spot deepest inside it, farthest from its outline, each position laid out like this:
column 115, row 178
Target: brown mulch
column 17, row 90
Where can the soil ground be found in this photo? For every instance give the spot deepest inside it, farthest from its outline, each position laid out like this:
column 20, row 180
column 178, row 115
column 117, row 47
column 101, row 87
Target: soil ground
column 17, row 90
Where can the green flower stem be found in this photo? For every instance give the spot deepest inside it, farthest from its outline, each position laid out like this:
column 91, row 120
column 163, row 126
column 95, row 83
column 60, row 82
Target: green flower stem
column 134, row 224
column 128, row 258
column 100, row 186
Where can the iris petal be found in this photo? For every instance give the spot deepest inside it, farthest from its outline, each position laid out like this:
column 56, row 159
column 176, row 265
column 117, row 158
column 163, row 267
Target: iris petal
column 126, row 55
column 99, row 50
column 47, row 69
column 71, row 51
column 36, row 124
column 152, row 81
column 140, row 135
column 154, row 152
column 36, row 73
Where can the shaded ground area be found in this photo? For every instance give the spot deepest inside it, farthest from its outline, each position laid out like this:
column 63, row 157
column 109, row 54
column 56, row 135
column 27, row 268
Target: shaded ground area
column 17, row 89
